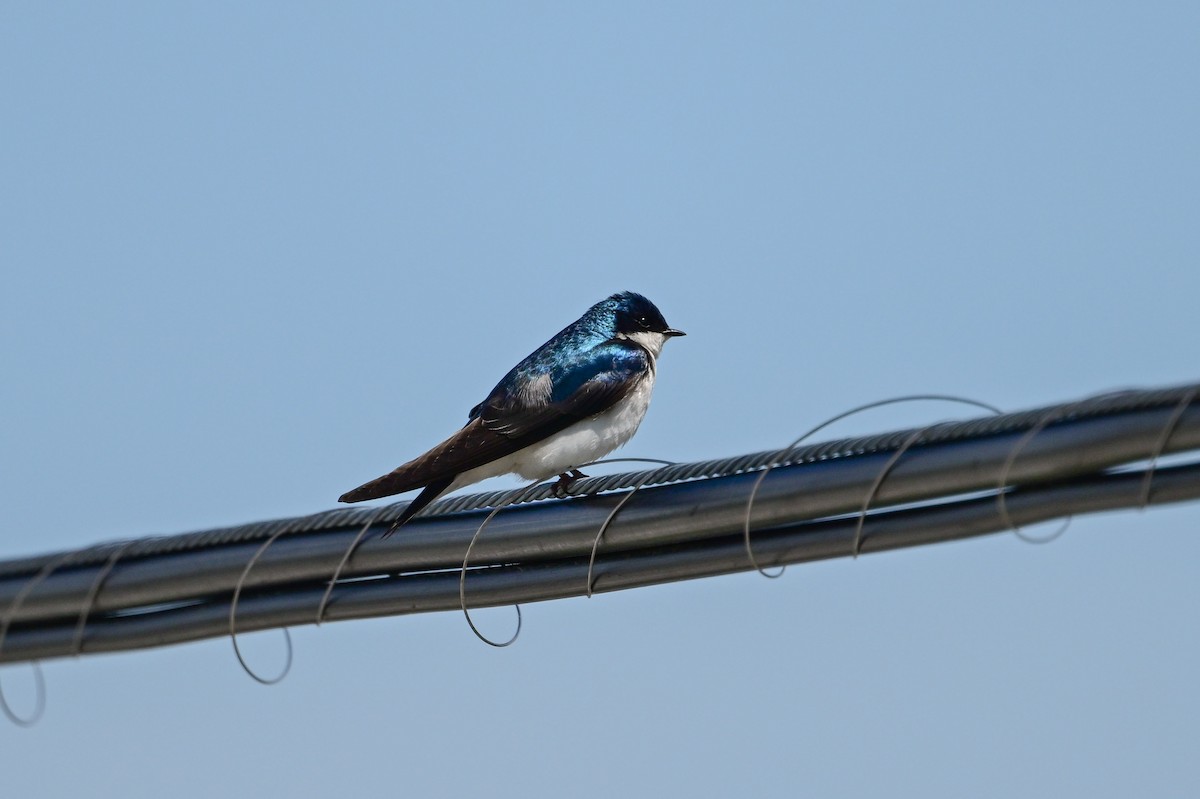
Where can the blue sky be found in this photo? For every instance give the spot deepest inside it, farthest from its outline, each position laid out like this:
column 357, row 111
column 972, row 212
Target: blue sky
column 256, row 255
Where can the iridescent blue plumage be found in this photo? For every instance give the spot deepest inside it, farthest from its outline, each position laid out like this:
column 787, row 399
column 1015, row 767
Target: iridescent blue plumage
column 575, row 398
column 581, row 349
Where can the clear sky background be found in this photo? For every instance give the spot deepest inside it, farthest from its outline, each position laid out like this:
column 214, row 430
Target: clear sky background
column 255, row 255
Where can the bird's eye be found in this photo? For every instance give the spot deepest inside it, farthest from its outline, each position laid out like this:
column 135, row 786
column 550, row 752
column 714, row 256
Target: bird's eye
column 643, row 322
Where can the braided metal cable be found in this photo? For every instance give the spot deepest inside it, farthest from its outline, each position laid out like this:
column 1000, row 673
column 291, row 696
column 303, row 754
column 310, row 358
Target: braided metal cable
column 401, row 593
column 1099, row 406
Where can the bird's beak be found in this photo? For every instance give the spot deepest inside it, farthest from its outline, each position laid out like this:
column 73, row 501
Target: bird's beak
column 670, row 331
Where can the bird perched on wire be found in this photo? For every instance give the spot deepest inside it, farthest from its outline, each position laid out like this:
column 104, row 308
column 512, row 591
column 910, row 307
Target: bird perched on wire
column 573, row 400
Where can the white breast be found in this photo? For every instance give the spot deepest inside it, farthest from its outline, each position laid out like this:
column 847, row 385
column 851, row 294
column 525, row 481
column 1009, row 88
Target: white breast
column 585, row 441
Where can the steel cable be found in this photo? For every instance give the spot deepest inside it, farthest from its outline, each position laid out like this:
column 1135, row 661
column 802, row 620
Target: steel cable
column 135, row 594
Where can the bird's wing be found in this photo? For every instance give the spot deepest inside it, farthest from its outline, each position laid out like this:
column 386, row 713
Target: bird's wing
column 508, row 421
column 568, row 393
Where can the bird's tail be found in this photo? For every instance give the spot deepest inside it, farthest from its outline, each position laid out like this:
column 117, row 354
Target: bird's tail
column 395, row 482
column 387, row 485
column 429, row 494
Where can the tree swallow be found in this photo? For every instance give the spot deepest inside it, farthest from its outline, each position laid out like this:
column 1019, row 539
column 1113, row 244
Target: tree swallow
column 573, row 400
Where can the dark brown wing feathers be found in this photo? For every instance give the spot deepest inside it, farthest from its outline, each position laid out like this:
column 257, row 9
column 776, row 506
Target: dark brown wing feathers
column 472, row 446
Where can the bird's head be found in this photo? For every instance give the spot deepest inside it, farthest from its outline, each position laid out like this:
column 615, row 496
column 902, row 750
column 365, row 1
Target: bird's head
column 640, row 321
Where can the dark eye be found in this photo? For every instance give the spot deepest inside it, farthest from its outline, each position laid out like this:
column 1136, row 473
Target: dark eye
column 643, row 322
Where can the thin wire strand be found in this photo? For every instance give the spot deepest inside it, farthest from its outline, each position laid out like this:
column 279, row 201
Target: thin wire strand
column 1161, row 444
column 1055, row 414
column 39, row 708
column 350, row 550
column 785, row 453
column 1052, row 415
column 38, row 678
column 89, row 601
column 617, row 509
column 233, row 607
column 462, row 576
column 856, row 545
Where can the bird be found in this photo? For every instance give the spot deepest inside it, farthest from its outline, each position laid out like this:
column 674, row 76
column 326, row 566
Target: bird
column 571, row 401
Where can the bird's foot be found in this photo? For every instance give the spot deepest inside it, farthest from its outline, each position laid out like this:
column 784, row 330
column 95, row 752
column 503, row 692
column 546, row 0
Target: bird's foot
column 561, row 488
